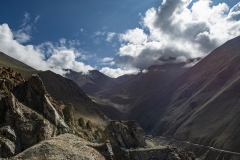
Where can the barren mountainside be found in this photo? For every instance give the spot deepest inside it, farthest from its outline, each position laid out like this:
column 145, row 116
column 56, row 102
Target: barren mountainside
column 202, row 105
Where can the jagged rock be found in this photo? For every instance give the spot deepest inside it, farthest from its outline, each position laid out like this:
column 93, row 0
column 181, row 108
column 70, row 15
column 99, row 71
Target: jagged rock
column 7, row 147
column 97, row 135
column 68, row 113
column 89, row 125
column 128, row 133
column 104, row 148
column 65, row 146
column 8, row 132
column 81, row 123
column 9, row 79
column 34, row 95
column 124, row 135
column 24, row 127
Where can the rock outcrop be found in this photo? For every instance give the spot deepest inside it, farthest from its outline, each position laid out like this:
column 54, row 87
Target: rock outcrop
column 127, row 133
column 22, row 128
column 66, row 146
column 33, row 94
column 124, row 135
column 28, row 114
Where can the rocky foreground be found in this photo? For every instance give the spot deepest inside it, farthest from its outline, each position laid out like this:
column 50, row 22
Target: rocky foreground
column 33, row 125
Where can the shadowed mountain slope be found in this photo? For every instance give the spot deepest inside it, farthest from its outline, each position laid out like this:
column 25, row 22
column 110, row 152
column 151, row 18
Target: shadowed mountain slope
column 68, row 91
column 202, row 105
column 144, row 83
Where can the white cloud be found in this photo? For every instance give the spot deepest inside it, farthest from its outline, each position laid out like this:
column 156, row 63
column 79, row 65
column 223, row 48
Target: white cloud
column 42, row 57
column 114, row 73
column 178, row 31
column 66, row 59
column 110, row 36
column 23, row 35
column 107, row 59
column 134, row 36
column 145, row 71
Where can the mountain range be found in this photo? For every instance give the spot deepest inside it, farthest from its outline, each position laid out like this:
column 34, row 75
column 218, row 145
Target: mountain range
column 175, row 101
column 199, row 104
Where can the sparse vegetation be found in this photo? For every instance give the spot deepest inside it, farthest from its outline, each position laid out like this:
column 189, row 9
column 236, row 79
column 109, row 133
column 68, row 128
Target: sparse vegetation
column 5, row 91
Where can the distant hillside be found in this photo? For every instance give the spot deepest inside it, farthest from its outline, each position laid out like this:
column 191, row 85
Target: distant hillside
column 202, row 105
column 25, row 70
column 93, row 82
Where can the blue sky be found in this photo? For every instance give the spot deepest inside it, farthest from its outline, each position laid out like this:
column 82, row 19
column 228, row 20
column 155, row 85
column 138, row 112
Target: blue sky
column 115, row 37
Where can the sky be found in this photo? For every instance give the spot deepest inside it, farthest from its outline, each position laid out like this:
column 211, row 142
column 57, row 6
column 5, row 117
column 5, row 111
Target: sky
column 114, row 37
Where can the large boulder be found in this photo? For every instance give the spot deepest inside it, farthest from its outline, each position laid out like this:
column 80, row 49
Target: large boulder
column 66, row 146
column 127, row 133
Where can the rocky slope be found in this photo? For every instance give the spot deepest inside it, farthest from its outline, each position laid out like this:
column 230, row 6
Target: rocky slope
column 65, row 146
column 29, row 115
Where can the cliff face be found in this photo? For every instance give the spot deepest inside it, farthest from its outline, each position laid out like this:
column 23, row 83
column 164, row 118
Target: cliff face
column 28, row 113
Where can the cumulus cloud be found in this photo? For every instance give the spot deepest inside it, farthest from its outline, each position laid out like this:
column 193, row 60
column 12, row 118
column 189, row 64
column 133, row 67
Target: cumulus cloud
column 175, row 30
column 134, row 36
column 118, row 71
column 46, row 56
